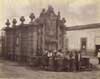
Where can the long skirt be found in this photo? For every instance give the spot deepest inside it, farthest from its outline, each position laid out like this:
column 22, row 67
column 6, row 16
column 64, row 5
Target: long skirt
column 51, row 64
column 66, row 63
column 45, row 61
column 60, row 64
column 72, row 65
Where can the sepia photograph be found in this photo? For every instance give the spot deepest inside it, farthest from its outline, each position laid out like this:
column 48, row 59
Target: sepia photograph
column 49, row 39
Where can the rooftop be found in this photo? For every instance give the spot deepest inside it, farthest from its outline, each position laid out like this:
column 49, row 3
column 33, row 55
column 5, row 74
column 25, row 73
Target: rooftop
column 82, row 27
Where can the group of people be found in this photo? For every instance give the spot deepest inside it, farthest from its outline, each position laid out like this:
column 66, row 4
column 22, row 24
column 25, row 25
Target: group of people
column 60, row 61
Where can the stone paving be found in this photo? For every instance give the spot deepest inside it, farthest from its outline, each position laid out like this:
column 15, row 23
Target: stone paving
column 12, row 70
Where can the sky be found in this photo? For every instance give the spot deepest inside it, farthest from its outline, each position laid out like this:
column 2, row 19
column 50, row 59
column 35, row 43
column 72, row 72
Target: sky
column 76, row 12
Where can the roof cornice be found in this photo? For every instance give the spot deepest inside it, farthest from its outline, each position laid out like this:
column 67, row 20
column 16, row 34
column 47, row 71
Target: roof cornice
column 83, row 27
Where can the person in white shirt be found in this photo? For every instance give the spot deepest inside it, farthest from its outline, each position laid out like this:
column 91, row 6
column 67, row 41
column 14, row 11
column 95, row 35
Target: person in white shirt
column 98, row 55
column 50, row 54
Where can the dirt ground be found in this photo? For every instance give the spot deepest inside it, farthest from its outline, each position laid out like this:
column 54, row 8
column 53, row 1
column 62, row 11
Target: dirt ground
column 12, row 70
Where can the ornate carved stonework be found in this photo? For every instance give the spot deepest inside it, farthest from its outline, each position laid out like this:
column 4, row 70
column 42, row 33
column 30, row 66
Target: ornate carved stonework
column 45, row 32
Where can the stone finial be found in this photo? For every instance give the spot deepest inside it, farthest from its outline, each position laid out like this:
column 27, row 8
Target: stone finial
column 32, row 16
column 43, row 10
column 58, row 16
column 14, row 21
column 50, row 8
column 63, row 20
column 42, row 13
column 7, row 23
column 22, row 19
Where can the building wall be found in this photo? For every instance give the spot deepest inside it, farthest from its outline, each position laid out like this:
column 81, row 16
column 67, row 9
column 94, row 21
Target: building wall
column 74, row 39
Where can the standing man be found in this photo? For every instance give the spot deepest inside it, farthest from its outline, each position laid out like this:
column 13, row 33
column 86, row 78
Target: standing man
column 77, row 60
column 72, row 61
column 45, row 59
column 98, row 55
column 50, row 54
column 54, row 60
column 60, row 57
column 66, row 61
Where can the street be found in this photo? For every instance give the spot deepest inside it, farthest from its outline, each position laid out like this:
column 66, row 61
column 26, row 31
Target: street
column 12, row 70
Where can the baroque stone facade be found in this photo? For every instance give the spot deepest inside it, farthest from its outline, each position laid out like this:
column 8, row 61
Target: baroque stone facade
column 28, row 40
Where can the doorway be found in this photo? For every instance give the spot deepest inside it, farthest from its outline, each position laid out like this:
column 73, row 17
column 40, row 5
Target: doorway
column 97, row 49
column 83, row 44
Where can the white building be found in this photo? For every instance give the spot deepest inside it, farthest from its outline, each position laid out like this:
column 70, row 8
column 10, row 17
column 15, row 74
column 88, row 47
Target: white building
column 84, row 37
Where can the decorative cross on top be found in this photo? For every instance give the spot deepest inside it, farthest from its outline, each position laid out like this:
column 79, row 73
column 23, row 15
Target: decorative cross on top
column 7, row 23
column 32, row 16
column 22, row 19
